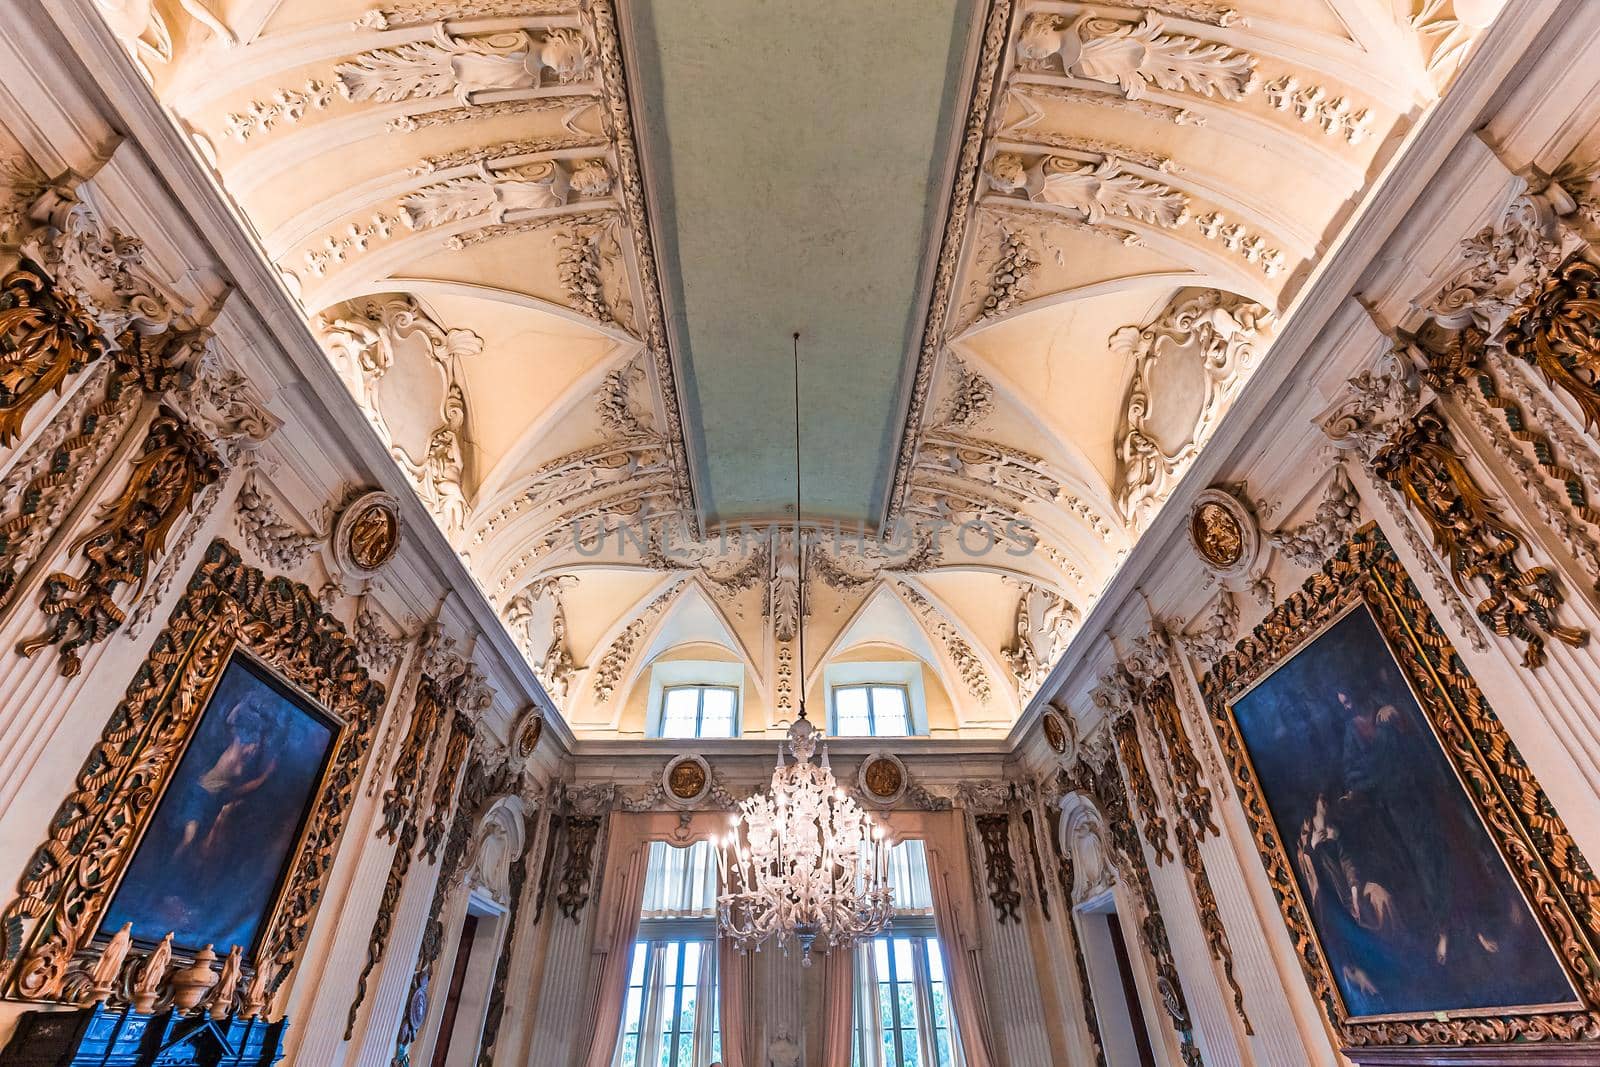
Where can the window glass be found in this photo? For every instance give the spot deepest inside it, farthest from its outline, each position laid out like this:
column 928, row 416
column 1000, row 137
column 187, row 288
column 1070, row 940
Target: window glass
column 850, row 711
column 669, row 1015
column 871, row 711
column 699, row 711
column 903, row 1016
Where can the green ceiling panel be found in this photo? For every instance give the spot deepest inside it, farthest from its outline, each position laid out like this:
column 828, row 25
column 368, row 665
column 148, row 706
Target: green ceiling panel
column 798, row 158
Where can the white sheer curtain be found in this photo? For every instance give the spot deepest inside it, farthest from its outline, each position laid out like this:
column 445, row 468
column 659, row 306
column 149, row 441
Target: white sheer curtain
column 680, row 883
column 875, row 1005
column 876, row 1002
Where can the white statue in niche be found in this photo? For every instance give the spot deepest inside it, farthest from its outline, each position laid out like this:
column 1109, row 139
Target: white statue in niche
column 1083, row 837
column 499, row 840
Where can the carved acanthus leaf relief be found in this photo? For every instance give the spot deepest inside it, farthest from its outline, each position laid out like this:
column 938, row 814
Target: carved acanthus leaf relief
column 1135, row 55
column 1098, row 191
column 461, row 66
column 1445, row 31
column 1421, row 462
column 1218, row 331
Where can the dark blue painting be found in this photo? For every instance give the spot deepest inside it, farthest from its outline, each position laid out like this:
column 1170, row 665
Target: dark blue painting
column 217, row 849
column 1414, row 907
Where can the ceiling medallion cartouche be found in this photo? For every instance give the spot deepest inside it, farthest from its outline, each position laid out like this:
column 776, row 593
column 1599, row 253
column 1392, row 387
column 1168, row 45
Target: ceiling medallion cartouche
column 1223, row 533
column 368, row 533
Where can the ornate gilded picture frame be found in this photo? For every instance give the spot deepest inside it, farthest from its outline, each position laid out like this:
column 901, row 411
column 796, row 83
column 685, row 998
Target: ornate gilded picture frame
column 229, row 608
column 1364, row 607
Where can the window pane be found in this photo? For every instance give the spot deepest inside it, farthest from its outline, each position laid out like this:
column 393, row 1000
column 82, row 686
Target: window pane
column 902, row 959
column 850, row 711
column 935, row 960
column 691, row 965
column 678, row 710
column 716, row 719
column 889, row 713
column 908, row 1043
column 880, row 949
column 636, row 972
column 633, row 1010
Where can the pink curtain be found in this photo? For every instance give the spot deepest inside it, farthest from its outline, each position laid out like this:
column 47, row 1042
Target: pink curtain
column 736, row 996
column 838, row 972
column 617, row 923
column 950, row 880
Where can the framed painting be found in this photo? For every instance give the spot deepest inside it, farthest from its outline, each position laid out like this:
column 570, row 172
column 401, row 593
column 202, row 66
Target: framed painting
column 214, row 800
column 214, row 856
column 1433, row 894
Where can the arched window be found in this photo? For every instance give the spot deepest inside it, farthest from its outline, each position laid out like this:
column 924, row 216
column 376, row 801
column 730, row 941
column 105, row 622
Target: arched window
column 903, row 1012
column 669, row 1016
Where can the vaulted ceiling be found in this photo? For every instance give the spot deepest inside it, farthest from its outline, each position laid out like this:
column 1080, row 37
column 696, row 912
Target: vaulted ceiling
column 557, row 251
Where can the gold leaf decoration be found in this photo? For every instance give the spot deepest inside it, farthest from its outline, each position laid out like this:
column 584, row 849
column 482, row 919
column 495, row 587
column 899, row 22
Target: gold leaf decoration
column 174, row 464
column 1420, row 461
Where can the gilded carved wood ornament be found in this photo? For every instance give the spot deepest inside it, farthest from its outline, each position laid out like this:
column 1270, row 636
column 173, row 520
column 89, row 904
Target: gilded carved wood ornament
column 174, row 464
column 1420, row 461
column 45, row 338
column 229, row 607
column 1558, row 331
column 1538, row 849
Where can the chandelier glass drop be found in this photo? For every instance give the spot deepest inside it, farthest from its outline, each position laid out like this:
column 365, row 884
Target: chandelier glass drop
column 803, row 862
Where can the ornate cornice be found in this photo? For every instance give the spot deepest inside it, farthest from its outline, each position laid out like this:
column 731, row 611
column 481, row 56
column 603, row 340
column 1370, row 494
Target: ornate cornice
column 963, row 194
column 631, row 179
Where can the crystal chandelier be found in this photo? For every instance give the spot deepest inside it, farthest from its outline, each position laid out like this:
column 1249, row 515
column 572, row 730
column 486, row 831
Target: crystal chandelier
column 802, row 862
column 809, row 864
